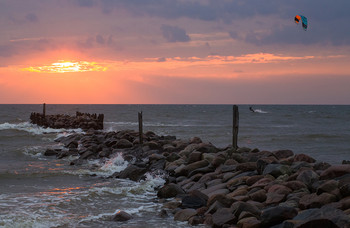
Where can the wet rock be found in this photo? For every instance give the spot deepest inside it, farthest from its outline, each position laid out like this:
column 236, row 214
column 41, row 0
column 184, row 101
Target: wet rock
column 259, row 196
column 330, row 186
column 196, row 199
column 185, row 214
column 218, row 160
column 274, row 198
column 276, row 170
column 163, row 213
column 122, row 216
column 295, row 185
column 276, row 215
column 239, row 207
column 51, row 152
column 308, row 177
column 315, row 201
column 247, row 166
column 335, row 171
column 223, row 199
column 123, row 143
column 304, row 158
column 185, row 170
column 249, row 222
column 320, row 217
column 195, row 220
column 132, row 172
column 87, row 154
column 195, row 156
column 283, row 153
column 170, row 190
column 223, row 216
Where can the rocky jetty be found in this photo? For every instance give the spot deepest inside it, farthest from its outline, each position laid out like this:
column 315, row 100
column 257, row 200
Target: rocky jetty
column 84, row 121
column 222, row 187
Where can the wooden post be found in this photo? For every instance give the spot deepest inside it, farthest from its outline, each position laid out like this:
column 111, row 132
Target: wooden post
column 140, row 128
column 235, row 127
column 44, row 110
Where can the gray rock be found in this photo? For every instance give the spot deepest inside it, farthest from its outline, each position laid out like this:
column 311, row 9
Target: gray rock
column 277, row 170
column 185, row 214
column 223, row 216
column 239, row 207
column 275, row 215
column 132, row 172
column 320, row 217
column 308, row 177
column 123, row 143
column 122, row 216
column 283, row 153
column 170, row 190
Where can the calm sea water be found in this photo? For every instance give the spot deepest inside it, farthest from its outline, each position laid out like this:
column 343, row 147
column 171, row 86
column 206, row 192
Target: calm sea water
column 38, row 191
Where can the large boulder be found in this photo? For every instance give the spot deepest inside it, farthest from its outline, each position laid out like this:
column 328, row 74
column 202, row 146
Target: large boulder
column 275, row 215
column 185, row 170
column 335, row 171
column 320, row 217
column 170, row 190
column 308, row 177
column 122, row 216
column 132, row 172
column 283, row 153
column 223, row 216
column 195, row 199
column 277, row 170
column 185, row 214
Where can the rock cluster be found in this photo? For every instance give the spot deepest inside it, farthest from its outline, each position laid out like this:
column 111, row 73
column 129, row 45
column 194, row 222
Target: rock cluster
column 221, row 187
column 84, row 121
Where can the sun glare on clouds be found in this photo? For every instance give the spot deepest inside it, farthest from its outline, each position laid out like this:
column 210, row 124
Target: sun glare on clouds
column 63, row 66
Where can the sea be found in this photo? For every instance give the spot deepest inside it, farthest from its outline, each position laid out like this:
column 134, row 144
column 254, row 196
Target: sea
column 38, row 191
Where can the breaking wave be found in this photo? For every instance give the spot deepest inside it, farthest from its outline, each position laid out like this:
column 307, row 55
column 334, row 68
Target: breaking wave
column 35, row 129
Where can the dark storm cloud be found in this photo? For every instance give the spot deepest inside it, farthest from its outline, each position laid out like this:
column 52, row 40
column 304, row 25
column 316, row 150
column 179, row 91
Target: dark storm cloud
column 174, row 34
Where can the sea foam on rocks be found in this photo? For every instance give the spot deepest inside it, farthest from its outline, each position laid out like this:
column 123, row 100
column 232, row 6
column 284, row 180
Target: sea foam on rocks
column 223, row 187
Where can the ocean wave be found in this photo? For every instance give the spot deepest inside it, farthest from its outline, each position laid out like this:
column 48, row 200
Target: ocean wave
column 103, row 169
column 35, row 129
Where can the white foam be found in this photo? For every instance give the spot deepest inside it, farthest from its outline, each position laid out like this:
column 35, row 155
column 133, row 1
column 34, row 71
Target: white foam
column 115, row 164
column 34, row 129
column 111, row 166
column 259, row 111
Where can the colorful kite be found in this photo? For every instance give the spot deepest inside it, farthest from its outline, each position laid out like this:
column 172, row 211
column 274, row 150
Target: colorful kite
column 303, row 20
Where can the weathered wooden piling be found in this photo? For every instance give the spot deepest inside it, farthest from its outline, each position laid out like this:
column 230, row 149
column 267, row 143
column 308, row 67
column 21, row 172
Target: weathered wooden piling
column 44, row 110
column 140, row 128
column 235, row 121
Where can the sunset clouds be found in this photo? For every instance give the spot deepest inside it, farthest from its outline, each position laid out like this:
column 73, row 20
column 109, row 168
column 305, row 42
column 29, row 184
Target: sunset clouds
column 142, row 46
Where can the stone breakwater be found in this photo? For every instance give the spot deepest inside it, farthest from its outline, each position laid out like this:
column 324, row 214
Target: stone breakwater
column 84, row 121
column 221, row 187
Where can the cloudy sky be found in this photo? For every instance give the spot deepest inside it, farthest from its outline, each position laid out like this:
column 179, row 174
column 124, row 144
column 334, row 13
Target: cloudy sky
column 174, row 51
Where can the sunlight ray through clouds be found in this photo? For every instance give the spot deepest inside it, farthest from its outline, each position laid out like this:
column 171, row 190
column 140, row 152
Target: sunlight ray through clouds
column 62, row 66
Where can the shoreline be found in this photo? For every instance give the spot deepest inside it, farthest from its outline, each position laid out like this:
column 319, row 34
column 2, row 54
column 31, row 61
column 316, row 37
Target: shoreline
column 221, row 187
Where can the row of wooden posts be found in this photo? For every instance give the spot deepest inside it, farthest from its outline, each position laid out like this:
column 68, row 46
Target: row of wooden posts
column 235, row 120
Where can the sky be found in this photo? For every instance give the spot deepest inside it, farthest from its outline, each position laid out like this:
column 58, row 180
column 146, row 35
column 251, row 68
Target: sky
column 174, row 52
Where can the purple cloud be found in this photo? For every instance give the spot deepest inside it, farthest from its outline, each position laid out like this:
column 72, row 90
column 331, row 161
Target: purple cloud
column 174, row 34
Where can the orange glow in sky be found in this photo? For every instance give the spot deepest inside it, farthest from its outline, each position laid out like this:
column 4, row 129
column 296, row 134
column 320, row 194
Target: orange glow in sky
column 202, row 53
column 62, row 66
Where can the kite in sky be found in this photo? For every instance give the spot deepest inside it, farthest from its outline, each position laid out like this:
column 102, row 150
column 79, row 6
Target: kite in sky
column 303, row 20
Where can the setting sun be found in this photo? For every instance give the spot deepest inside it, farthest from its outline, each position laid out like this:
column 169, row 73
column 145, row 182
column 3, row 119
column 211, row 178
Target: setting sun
column 63, row 66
